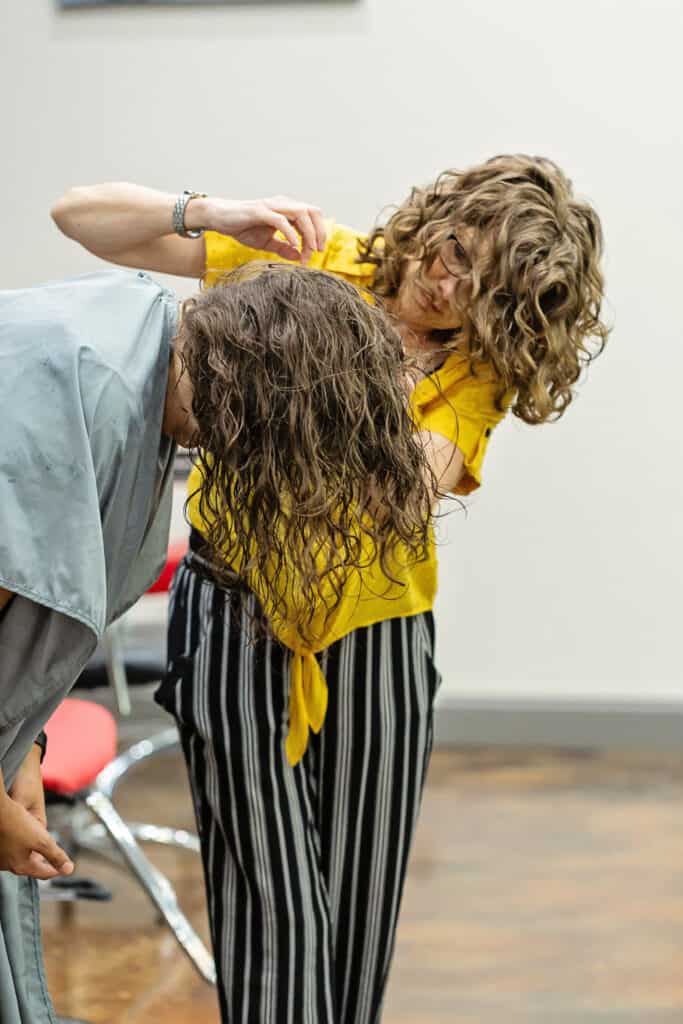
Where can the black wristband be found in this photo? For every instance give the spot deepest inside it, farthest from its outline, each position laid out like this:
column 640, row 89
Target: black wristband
column 41, row 741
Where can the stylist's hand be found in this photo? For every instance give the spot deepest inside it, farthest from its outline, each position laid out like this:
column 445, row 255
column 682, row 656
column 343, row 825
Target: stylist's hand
column 26, row 846
column 256, row 222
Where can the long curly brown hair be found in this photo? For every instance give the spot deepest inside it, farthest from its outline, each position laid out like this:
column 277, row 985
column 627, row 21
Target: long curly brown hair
column 304, row 434
column 530, row 292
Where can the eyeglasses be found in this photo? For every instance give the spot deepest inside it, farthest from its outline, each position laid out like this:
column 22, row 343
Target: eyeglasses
column 455, row 261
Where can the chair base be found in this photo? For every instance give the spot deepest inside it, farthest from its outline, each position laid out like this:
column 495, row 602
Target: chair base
column 110, row 836
column 72, row 890
column 156, row 886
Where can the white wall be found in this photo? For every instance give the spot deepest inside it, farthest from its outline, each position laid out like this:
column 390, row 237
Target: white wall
column 565, row 577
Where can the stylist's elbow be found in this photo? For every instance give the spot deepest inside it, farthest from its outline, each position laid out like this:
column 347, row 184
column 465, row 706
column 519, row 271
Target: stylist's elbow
column 66, row 210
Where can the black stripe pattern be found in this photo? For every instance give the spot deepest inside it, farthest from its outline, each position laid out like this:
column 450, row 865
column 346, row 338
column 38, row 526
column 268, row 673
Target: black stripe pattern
column 304, row 866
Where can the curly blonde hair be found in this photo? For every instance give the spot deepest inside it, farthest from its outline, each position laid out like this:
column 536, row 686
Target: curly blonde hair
column 531, row 291
column 304, row 432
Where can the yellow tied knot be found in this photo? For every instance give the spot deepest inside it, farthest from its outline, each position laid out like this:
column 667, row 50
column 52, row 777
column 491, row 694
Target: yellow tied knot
column 307, row 703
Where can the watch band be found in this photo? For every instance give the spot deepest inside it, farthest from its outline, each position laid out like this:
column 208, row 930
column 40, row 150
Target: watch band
column 179, row 213
column 41, row 741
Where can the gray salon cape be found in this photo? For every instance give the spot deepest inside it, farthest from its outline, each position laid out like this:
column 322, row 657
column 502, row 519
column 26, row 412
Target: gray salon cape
column 85, row 502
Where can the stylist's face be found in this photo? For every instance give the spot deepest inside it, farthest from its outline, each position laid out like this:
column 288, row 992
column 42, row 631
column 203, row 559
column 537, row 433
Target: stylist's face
column 426, row 299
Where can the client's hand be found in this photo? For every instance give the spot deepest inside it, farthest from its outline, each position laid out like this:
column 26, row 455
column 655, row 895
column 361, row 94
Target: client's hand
column 26, row 846
column 255, row 222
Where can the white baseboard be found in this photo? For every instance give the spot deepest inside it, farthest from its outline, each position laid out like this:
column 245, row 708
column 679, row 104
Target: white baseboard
column 464, row 721
column 511, row 721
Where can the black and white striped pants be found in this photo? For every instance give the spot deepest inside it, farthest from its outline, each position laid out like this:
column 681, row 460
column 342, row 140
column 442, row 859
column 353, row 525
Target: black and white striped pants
column 304, row 866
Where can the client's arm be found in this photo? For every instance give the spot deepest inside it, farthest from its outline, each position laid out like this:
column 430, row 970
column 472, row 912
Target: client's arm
column 26, row 846
column 133, row 226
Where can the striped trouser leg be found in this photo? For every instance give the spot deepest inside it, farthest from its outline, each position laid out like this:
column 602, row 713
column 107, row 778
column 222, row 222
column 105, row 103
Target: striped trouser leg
column 371, row 760
column 267, row 899
column 304, row 866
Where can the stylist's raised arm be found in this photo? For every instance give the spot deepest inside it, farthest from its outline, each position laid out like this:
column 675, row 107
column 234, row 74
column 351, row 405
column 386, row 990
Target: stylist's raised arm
column 140, row 227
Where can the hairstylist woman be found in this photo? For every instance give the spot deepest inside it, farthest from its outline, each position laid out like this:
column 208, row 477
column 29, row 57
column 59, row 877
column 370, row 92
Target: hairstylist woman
column 492, row 276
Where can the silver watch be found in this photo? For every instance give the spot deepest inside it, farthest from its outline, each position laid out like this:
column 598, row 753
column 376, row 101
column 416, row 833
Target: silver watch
column 179, row 213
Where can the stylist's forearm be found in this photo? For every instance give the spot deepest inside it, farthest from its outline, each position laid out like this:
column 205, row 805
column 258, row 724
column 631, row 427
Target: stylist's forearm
column 111, row 217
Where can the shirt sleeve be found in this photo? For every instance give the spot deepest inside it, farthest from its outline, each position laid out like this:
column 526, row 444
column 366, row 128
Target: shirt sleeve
column 339, row 257
column 466, row 416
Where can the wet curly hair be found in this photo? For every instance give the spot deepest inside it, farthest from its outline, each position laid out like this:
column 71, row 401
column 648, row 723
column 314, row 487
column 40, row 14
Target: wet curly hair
column 304, row 434
column 531, row 289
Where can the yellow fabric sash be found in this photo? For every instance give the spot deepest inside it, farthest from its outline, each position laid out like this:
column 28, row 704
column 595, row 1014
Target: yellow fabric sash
column 307, row 703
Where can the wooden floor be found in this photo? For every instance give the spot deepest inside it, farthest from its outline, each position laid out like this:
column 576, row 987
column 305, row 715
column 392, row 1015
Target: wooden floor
column 544, row 887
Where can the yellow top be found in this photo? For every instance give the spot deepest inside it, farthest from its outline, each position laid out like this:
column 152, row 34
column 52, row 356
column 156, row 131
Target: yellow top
column 452, row 402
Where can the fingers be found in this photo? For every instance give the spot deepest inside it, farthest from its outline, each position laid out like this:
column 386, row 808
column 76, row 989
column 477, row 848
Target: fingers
column 320, row 229
column 34, row 865
column 54, row 855
column 283, row 249
column 26, row 846
column 281, row 224
column 304, row 225
column 37, row 867
column 302, row 220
